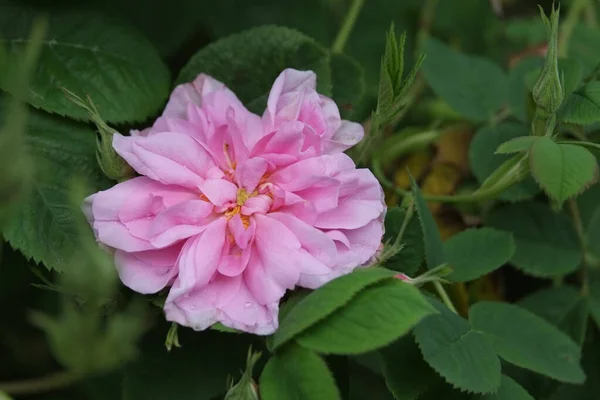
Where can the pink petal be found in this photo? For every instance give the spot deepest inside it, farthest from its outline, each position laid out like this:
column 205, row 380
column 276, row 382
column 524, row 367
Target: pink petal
column 349, row 134
column 234, row 263
column 241, row 234
column 350, row 214
column 249, row 173
column 170, row 158
column 258, row 204
column 219, row 191
column 285, row 98
column 116, row 235
column 199, row 257
column 277, row 248
column 192, row 92
column 179, row 222
column 147, row 271
column 306, row 173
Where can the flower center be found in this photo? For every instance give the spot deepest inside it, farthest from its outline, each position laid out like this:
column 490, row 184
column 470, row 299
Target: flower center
column 242, row 196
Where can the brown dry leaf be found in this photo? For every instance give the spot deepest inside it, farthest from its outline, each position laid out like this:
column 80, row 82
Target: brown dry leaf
column 417, row 163
column 441, row 180
column 460, row 298
column 485, row 288
column 453, row 147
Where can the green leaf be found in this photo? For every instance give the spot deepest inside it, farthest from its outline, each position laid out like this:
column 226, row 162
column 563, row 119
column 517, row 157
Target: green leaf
column 509, row 390
column 364, row 383
column 326, row 300
column 484, row 161
column 406, row 374
column 476, row 252
column 89, row 55
column 546, row 243
column 372, row 319
column 585, row 47
column 297, row 373
column 464, row 357
column 519, row 93
column 410, row 258
column 562, row 170
column 348, row 84
column 583, row 106
column 528, row 341
column 474, row 87
column 595, row 299
column 563, row 307
column 569, row 68
column 516, row 145
column 43, row 226
column 249, row 62
column 198, row 370
column 593, row 234
column 434, row 249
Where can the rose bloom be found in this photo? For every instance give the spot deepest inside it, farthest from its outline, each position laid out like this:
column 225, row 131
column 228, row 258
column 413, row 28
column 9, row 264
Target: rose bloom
column 233, row 209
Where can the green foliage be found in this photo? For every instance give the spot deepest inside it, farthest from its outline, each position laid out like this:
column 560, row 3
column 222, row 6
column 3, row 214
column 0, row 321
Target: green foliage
column 526, row 340
column 407, row 375
column 323, row 302
column 584, row 47
column 434, row 249
column 43, row 227
column 249, row 62
column 198, row 370
column 546, row 243
column 583, row 106
column 463, row 356
column 298, row 373
column 348, row 84
column 509, row 390
column 518, row 144
column 476, row 252
column 410, row 257
column 393, row 89
column 474, row 87
column 519, row 92
column 562, row 170
column 564, row 307
column 89, row 55
column 484, row 161
column 392, row 308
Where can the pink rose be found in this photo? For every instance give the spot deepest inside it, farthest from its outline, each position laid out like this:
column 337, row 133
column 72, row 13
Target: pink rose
column 233, row 209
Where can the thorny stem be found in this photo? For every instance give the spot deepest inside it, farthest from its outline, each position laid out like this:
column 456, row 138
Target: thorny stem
column 40, row 385
column 444, row 296
column 578, row 225
column 349, row 20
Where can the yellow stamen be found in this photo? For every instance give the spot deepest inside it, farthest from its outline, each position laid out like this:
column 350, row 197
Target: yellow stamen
column 242, row 196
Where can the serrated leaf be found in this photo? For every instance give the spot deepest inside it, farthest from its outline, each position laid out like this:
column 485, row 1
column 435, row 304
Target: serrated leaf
column 528, row 341
column 474, row 87
column 249, row 62
column 89, row 55
column 375, row 317
column 197, row 370
column 563, row 307
column 297, row 373
column 462, row 356
column 509, row 390
column 562, row 170
column 434, row 249
column 410, row 257
column 516, row 145
column 546, row 243
column 348, row 83
column 43, row 226
column 484, row 161
column 326, row 300
column 406, row 374
column 476, row 252
column 583, row 106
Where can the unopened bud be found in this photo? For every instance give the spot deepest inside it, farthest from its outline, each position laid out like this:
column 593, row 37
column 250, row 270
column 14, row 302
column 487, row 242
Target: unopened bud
column 548, row 92
column 246, row 388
